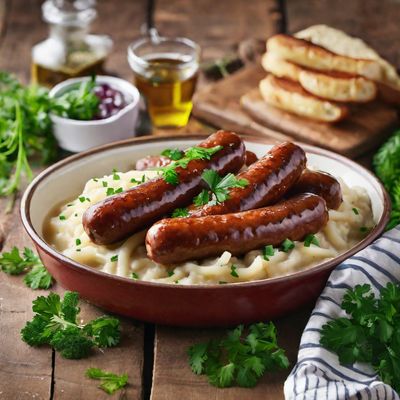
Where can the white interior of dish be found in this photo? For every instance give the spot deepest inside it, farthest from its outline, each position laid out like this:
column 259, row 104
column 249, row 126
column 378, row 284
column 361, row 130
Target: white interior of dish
column 67, row 182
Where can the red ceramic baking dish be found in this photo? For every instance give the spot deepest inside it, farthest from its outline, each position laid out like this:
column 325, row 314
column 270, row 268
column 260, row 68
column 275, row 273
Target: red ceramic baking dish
column 183, row 305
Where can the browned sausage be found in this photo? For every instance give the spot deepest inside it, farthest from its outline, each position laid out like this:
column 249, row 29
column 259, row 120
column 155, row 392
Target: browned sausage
column 250, row 158
column 175, row 240
column 121, row 215
column 319, row 183
column 269, row 179
column 151, row 162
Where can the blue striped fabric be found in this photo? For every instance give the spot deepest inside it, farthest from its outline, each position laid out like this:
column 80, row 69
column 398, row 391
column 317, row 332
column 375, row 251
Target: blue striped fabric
column 318, row 374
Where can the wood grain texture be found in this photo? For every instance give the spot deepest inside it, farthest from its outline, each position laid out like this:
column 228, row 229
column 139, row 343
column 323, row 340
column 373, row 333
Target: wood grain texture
column 374, row 21
column 218, row 26
column 25, row 372
column 173, row 379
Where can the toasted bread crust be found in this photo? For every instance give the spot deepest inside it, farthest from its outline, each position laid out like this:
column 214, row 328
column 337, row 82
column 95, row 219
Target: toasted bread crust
column 290, row 96
column 335, row 86
column 313, row 56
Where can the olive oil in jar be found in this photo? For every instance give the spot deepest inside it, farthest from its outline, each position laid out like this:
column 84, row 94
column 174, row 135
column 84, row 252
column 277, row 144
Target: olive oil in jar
column 168, row 88
column 69, row 51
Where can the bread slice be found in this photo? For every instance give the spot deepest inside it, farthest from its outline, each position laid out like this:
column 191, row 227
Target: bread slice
column 305, row 53
column 340, row 43
column 290, row 96
column 328, row 85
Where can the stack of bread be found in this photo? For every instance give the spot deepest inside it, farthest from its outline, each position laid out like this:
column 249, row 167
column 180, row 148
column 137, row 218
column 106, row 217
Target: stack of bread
column 320, row 71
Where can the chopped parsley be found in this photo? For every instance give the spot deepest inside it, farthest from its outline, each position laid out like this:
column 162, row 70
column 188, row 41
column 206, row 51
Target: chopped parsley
column 171, row 273
column 169, row 173
column 240, row 358
column 180, row 212
column 268, row 251
column 105, row 184
column 287, row 245
column 95, row 180
column 116, row 177
column 234, row 271
column 355, row 211
column 62, row 217
column 110, row 191
column 173, row 154
column 82, row 199
column 134, row 275
column 133, row 180
column 364, row 229
column 78, row 241
column 109, row 382
column 222, row 282
column 114, row 258
column 311, row 239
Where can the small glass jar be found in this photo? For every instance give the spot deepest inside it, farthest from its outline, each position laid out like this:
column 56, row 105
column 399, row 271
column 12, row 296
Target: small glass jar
column 69, row 51
column 165, row 72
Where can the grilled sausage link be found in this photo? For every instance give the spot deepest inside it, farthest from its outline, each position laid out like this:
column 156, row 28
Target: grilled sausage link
column 320, row 183
column 121, row 215
column 175, row 240
column 152, row 162
column 269, row 179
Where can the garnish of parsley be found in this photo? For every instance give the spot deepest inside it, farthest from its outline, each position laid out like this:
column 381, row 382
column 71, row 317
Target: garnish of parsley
column 56, row 323
column 169, row 173
column 370, row 333
column 218, row 186
column 13, row 263
column 240, row 358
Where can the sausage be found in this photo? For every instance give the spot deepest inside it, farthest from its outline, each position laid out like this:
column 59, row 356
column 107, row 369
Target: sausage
column 175, row 240
column 152, row 162
column 121, row 215
column 320, row 183
column 250, row 158
column 268, row 180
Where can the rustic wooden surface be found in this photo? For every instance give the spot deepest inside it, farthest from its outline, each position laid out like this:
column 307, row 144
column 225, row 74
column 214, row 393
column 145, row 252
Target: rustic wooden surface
column 32, row 373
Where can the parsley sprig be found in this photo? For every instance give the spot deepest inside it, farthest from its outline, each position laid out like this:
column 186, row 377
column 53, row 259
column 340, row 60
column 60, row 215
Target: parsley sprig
column 169, row 172
column 371, row 334
column 13, row 263
column 55, row 323
column 109, row 382
column 219, row 187
column 239, row 357
column 387, row 167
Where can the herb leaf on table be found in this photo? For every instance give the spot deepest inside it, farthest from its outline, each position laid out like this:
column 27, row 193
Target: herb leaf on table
column 110, row 382
column 241, row 357
column 55, row 323
column 13, row 263
column 371, row 333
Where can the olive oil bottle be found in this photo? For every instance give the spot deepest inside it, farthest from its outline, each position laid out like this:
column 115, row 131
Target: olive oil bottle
column 69, row 51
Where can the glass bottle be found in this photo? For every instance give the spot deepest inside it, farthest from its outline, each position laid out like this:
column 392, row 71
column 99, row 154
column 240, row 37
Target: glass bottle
column 70, row 50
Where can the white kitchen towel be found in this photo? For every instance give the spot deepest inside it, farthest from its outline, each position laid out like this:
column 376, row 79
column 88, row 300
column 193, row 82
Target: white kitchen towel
column 318, row 374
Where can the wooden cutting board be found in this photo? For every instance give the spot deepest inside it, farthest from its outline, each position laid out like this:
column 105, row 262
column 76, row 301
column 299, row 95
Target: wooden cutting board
column 235, row 103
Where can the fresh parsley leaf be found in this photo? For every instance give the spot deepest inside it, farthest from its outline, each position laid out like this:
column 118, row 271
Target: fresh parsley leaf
column 268, row 251
column 82, row 199
column 202, row 198
column 169, row 173
column 173, row 154
column 287, row 245
column 110, row 191
column 110, row 382
column 219, row 186
column 180, row 212
column 386, row 164
column 370, row 333
column 310, row 239
column 38, row 278
column 55, row 323
column 239, row 358
column 234, row 271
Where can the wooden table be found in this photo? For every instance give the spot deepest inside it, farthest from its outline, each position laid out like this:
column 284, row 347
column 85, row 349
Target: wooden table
column 155, row 357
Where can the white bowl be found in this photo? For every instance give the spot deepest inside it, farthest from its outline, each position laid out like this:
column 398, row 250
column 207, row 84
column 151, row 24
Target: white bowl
column 74, row 135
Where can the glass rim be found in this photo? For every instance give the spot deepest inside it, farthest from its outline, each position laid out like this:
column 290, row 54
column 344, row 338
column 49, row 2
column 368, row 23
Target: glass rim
column 133, row 58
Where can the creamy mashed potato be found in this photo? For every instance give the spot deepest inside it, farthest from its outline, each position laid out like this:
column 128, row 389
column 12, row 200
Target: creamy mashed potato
column 64, row 231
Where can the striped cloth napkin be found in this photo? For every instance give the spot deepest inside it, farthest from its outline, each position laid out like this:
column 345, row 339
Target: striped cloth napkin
column 318, row 373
